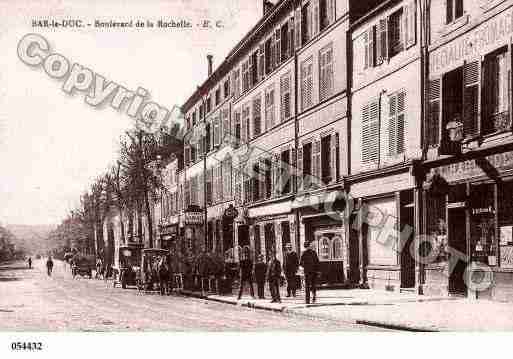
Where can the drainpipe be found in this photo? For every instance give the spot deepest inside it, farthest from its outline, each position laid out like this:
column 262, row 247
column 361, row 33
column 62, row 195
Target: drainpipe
column 296, row 135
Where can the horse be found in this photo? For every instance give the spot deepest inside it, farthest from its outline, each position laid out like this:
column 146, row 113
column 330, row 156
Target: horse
column 163, row 276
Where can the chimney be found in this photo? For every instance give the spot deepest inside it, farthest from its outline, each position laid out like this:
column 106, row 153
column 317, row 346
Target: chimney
column 267, row 6
column 210, row 59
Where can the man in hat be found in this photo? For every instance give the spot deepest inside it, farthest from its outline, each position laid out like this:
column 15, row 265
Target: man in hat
column 290, row 267
column 260, row 270
column 310, row 264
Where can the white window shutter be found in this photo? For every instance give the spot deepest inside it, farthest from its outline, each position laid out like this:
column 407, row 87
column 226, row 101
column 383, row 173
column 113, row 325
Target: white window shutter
column 330, row 11
column 316, row 161
column 334, row 152
column 410, row 18
column 315, row 18
column 297, row 27
column 382, row 41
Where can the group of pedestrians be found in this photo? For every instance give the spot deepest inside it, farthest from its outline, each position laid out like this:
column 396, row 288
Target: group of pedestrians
column 272, row 272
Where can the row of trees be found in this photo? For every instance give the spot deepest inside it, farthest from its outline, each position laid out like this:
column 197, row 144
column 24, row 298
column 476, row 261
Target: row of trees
column 7, row 247
column 127, row 186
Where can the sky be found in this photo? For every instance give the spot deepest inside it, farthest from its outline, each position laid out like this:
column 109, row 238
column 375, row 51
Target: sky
column 53, row 145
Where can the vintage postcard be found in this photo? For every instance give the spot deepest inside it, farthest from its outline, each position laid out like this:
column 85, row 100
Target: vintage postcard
column 255, row 166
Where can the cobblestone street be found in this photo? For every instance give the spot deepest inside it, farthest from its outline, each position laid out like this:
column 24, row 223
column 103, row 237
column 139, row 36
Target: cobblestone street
column 32, row 301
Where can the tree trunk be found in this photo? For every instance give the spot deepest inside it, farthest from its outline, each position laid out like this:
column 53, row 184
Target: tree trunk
column 150, row 220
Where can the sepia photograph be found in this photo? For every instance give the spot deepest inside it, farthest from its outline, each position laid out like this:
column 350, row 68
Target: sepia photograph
column 253, row 167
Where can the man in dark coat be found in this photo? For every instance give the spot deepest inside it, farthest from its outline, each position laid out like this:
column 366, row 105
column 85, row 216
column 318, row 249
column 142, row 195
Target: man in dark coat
column 260, row 270
column 49, row 265
column 274, row 276
column 290, row 267
column 310, row 264
column 246, row 274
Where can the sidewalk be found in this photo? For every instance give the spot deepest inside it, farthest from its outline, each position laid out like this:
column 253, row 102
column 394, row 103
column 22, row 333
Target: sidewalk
column 403, row 311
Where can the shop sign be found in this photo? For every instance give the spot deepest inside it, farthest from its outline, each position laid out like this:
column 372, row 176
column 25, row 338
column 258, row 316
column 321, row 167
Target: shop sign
column 194, row 218
column 471, row 168
column 493, row 32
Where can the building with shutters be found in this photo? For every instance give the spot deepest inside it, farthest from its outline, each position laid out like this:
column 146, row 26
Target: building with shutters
column 267, row 134
column 385, row 143
column 468, row 147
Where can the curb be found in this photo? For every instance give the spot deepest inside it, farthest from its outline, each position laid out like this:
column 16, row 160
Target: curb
column 385, row 325
column 293, row 311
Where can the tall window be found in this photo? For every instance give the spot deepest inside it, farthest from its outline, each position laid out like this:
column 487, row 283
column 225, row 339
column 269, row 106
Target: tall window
column 267, row 171
column 307, row 164
column 268, row 56
column 237, row 133
column 326, row 170
column 395, row 33
column 285, row 175
column 269, row 108
column 326, row 73
column 226, row 88
column 256, row 238
column 209, row 104
column 307, row 83
column 254, row 68
column 285, row 42
column 454, row 10
column 496, row 90
column 285, row 101
column 245, row 76
column 208, row 134
column 236, row 82
column 306, row 23
column 218, row 96
column 257, row 115
column 255, row 182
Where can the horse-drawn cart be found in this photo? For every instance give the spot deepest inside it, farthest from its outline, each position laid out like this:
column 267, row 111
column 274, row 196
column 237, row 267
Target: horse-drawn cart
column 128, row 265
column 154, row 263
column 82, row 265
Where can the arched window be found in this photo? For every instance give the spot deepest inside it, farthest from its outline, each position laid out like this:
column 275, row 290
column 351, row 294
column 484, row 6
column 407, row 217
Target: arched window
column 336, row 248
column 324, row 248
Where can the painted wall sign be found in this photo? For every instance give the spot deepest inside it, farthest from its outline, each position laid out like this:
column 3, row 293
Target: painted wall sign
column 194, row 217
column 493, row 32
column 472, row 168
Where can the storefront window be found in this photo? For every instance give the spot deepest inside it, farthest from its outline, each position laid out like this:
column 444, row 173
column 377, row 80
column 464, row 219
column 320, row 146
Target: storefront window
column 329, row 246
column 437, row 249
column 483, row 242
column 382, row 235
column 336, row 248
column 506, row 225
column 324, row 249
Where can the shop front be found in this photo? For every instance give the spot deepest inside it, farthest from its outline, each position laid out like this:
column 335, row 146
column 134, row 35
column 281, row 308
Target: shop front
column 270, row 228
column 322, row 223
column 469, row 226
column 169, row 236
column 194, row 236
column 382, row 229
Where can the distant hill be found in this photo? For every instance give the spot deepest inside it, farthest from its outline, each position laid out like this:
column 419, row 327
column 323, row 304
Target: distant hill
column 32, row 238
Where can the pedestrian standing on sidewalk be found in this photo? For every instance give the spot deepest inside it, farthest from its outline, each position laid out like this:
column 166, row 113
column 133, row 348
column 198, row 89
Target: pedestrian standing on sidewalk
column 246, row 273
column 29, row 262
column 49, row 265
column 260, row 270
column 290, row 267
column 310, row 264
column 274, row 277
